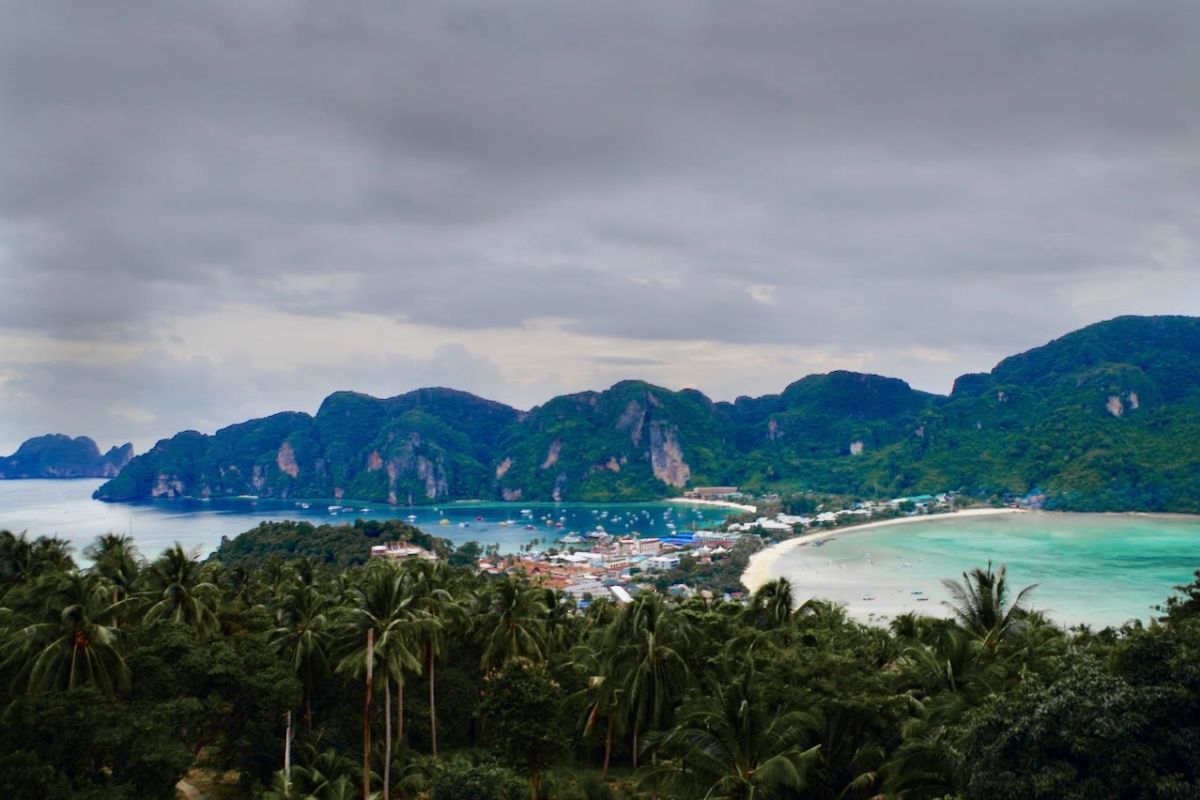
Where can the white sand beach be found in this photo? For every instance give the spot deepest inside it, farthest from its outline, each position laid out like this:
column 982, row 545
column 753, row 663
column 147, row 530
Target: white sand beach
column 849, row 586
column 717, row 503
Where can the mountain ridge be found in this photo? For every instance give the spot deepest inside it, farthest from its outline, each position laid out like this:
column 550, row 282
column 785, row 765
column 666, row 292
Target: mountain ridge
column 1103, row 418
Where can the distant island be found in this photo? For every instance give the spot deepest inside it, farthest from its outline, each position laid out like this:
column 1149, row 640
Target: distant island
column 57, row 456
column 1104, row 418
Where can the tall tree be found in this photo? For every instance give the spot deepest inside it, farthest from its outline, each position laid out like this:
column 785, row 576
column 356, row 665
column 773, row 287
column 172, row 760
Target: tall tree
column 443, row 602
column 178, row 589
column 981, row 603
column 515, row 623
column 116, row 558
column 646, row 641
column 383, row 616
column 303, row 635
column 71, row 640
column 731, row 744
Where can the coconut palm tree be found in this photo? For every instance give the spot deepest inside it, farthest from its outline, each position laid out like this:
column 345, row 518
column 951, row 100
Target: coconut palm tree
column 646, row 642
column 730, row 745
column 178, row 590
column 772, row 605
column 601, row 696
column 444, row 604
column 981, row 603
column 303, row 635
column 22, row 559
column 383, row 627
column 71, row 639
column 116, row 559
column 516, row 623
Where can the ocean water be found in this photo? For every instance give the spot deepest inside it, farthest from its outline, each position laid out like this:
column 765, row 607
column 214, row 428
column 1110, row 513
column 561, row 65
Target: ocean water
column 1095, row 569
column 64, row 508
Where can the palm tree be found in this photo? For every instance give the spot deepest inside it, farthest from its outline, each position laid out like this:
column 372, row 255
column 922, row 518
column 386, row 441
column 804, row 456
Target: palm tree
column 516, row 627
column 382, row 613
column 434, row 596
column 947, row 677
column 730, row 745
column 179, row 591
column 646, row 661
column 22, row 559
column 116, row 559
column 70, row 641
column 602, row 696
column 772, row 604
column 303, row 635
column 981, row 603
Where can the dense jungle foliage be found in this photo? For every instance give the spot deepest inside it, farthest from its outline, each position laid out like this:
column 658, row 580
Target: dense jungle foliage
column 419, row 679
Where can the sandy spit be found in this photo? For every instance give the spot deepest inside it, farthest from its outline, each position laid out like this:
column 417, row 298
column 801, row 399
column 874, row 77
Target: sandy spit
column 761, row 568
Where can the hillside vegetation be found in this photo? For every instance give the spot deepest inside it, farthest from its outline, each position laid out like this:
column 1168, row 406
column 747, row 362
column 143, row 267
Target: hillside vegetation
column 418, row 680
column 1105, row 418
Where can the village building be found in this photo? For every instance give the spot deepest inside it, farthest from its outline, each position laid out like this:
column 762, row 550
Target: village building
column 400, row 551
column 712, row 493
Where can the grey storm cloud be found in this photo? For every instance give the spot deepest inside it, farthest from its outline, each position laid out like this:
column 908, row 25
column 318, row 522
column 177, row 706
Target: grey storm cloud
column 839, row 175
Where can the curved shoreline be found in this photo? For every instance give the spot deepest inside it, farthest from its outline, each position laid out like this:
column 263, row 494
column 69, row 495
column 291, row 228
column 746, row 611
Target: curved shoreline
column 760, row 568
column 715, row 503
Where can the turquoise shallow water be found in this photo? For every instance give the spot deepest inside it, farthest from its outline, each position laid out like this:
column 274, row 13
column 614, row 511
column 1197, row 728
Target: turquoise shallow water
column 64, row 508
column 1098, row 569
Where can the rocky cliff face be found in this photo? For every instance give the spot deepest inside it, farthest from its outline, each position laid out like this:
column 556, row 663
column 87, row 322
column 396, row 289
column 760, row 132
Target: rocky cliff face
column 59, row 456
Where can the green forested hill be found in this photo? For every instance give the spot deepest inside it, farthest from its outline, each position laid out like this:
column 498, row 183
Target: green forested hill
column 1107, row 417
column 57, row 456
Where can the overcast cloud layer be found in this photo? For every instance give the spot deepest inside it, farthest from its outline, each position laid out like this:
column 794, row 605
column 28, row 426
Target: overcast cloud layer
column 210, row 211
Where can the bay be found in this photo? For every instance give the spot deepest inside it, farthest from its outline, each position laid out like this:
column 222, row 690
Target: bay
column 1094, row 569
column 64, row 508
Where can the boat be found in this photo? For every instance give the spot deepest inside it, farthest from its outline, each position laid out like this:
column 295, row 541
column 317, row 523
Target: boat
column 571, row 538
column 443, row 521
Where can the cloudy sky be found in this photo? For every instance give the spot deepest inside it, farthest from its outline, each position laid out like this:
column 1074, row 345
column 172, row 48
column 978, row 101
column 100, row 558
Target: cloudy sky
column 212, row 211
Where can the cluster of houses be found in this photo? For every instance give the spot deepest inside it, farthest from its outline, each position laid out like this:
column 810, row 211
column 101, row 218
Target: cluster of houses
column 604, row 568
column 611, row 562
column 603, row 564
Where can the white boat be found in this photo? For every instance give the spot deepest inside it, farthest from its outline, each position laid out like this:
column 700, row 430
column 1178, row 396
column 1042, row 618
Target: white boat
column 571, row 538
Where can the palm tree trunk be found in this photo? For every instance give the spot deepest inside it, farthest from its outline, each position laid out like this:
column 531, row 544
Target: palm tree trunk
column 432, row 705
column 607, row 748
column 308, row 710
column 287, row 753
column 400, row 707
column 387, row 738
column 366, row 777
column 635, row 738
